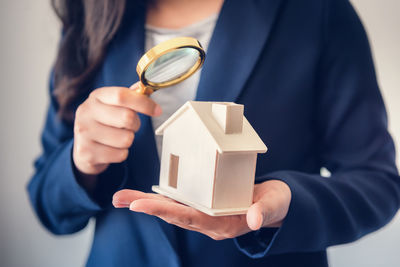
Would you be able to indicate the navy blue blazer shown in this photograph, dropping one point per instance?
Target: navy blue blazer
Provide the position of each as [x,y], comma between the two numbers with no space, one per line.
[303,70]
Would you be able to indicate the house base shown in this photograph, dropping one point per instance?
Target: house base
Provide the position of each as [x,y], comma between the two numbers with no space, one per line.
[211,212]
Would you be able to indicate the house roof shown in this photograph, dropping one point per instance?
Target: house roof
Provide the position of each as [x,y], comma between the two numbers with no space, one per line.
[246,141]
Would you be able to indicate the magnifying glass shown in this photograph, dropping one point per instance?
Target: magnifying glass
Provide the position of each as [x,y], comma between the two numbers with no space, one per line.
[169,63]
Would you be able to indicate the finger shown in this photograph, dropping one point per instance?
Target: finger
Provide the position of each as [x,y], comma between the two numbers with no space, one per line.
[273,198]
[210,234]
[168,211]
[185,215]
[191,228]
[125,97]
[110,136]
[135,86]
[157,205]
[261,190]
[123,198]
[265,208]
[218,228]
[94,153]
[255,216]
[119,117]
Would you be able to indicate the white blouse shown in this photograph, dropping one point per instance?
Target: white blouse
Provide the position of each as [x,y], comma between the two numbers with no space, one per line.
[172,98]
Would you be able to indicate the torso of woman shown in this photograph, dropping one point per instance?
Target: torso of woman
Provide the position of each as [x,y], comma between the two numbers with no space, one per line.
[304,72]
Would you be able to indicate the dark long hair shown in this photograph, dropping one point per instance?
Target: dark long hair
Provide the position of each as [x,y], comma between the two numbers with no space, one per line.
[88,28]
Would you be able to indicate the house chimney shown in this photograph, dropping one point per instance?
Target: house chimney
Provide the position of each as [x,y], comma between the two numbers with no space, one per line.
[229,116]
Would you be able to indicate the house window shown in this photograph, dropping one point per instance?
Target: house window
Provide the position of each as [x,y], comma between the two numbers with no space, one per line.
[173,170]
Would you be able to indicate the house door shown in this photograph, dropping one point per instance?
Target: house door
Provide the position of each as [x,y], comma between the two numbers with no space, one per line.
[173,170]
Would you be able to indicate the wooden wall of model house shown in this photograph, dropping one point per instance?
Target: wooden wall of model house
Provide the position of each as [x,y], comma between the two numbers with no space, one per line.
[189,139]
[234,180]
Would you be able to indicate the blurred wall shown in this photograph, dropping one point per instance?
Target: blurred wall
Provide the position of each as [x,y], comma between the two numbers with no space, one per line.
[29,35]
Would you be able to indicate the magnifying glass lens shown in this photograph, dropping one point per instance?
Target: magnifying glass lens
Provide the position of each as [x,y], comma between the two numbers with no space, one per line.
[172,65]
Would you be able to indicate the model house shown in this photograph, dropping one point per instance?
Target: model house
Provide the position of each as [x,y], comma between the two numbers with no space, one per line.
[209,155]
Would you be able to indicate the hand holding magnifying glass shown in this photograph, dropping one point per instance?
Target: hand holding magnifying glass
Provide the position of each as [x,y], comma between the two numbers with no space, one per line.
[169,63]
[106,122]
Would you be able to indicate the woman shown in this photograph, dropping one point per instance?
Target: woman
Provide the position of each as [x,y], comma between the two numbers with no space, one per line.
[304,72]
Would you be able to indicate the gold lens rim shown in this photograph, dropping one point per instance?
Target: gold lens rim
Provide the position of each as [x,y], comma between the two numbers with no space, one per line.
[165,47]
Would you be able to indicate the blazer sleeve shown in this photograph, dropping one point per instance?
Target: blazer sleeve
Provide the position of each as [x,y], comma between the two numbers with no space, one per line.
[61,204]
[363,192]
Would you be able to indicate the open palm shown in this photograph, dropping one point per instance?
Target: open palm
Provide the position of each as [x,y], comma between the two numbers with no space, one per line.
[270,205]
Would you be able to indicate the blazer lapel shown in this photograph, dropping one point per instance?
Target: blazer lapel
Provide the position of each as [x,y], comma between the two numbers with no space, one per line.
[120,70]
[239,36]
[125,50]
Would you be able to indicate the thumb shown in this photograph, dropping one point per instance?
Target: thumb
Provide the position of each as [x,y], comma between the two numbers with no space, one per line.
[139,88]
[255,216]
[272,201]
[135,86]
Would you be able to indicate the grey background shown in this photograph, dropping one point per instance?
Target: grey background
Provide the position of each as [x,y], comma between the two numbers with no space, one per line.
[29,34]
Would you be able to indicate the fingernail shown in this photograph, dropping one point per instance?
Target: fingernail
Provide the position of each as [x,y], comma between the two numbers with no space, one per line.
[119,204]
[132,206]
[134,86]
[157,110]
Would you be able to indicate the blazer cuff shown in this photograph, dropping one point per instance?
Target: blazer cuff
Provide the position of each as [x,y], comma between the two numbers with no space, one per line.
[265,241]
[256,244]
[108,182]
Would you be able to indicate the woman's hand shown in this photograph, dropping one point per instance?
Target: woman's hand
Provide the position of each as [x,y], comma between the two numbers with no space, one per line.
[105,126]
[271,204]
